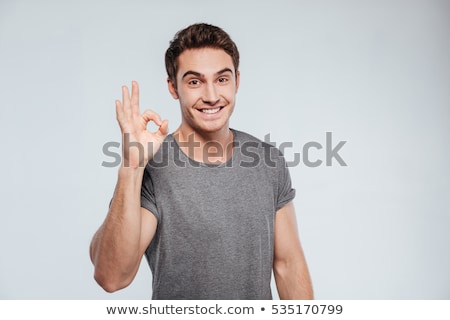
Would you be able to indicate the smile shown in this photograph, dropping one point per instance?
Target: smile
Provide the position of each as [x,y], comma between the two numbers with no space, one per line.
[211,111]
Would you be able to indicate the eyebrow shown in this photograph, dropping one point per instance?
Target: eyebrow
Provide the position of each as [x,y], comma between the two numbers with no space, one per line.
[198,74]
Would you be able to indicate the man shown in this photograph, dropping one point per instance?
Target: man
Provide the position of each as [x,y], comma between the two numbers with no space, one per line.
[209,206]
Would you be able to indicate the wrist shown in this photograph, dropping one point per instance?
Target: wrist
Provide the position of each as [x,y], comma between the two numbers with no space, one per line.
[133,173]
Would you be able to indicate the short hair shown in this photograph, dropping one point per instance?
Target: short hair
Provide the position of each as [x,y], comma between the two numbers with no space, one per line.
[196,36]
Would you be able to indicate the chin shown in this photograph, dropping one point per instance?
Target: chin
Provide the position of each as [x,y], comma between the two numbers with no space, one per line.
[214,127]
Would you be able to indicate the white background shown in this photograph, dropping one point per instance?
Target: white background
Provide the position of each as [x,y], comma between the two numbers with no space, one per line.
[375,73]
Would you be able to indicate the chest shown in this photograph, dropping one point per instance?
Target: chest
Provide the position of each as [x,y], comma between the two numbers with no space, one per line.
[214,201]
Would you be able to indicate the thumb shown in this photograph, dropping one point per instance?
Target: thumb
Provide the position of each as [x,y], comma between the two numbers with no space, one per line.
[163,129]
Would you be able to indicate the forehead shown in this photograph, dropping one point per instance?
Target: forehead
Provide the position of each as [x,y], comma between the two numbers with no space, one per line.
[204,60]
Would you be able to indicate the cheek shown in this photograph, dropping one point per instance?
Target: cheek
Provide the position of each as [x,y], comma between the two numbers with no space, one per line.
[230,94]
[188,98]
[188,106]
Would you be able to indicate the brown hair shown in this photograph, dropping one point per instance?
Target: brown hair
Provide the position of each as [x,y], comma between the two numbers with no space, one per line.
[199,35]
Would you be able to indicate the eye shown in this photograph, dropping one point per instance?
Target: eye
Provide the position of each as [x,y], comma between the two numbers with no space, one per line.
[223,79]
[194,82]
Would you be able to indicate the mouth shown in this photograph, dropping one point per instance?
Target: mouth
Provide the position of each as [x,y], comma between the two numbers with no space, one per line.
[210,110]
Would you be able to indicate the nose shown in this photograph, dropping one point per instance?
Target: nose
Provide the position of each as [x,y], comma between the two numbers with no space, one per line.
[210,95]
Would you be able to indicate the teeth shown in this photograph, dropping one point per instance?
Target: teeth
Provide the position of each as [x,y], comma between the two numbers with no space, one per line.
[210,110]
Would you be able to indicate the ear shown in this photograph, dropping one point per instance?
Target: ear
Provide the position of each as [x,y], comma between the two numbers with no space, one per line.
[238,80]
[172,89]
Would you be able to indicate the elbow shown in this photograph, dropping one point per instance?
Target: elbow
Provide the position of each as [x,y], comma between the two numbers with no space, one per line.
[106,284]
[293,280]
[109,284]
[281,269]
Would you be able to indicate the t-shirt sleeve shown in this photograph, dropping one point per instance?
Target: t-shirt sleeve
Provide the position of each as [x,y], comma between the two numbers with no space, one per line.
[148,195]
[285,191]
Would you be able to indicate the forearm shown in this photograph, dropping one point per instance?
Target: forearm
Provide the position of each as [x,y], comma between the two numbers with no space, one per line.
[293,280]
[115,247]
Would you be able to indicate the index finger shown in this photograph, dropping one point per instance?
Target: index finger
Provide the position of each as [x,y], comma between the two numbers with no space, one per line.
[125,97]
[135,96]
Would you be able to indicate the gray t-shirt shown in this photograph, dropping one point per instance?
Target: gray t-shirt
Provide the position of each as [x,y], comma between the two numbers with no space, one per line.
[215,231]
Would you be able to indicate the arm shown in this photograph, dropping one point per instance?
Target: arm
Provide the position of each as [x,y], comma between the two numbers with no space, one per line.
[290,269]
[118,246]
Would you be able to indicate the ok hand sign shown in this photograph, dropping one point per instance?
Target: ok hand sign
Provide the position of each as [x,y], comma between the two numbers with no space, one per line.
[133,125]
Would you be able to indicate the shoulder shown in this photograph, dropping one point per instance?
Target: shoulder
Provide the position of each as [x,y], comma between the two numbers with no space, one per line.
[241,136]
[243,140]
[255,153]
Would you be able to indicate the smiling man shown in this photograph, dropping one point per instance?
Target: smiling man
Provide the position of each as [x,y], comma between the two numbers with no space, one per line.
[212,224]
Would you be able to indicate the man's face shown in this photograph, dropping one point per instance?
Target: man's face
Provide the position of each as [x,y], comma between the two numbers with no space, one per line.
[206,86]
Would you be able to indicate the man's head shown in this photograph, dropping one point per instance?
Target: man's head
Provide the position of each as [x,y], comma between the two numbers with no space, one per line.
[199,36]
[202,64]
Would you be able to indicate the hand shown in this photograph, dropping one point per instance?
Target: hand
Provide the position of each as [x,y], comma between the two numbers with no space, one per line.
[138,144]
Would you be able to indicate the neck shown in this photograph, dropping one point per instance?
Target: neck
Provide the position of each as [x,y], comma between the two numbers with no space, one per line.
[207,147]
